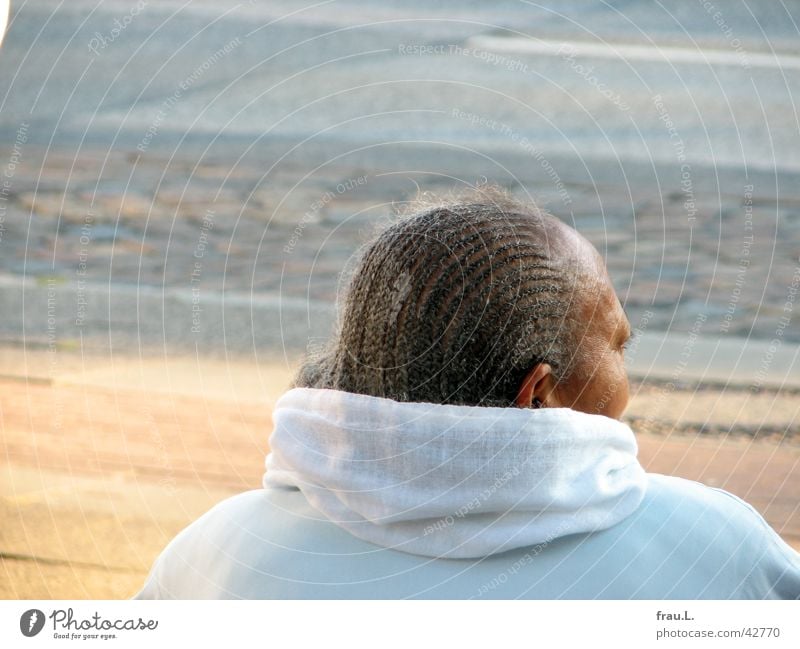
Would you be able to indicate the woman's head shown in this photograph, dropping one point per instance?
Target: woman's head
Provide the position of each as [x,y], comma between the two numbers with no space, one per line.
[483,301]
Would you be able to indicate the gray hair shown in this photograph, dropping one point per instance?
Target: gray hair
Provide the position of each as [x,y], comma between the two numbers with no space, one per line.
[456,303]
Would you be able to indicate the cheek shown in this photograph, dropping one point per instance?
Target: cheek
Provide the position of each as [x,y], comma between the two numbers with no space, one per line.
[610,390]
[621,392]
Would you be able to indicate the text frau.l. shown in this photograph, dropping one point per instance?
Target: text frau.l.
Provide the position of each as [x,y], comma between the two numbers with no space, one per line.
[65,619]
[674,615]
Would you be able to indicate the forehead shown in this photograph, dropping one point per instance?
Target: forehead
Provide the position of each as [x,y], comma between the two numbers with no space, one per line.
[594,298]
[606,314]
[598,304]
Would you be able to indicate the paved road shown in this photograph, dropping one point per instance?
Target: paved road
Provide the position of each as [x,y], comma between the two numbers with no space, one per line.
[356,75]
[669,136]
[216,256]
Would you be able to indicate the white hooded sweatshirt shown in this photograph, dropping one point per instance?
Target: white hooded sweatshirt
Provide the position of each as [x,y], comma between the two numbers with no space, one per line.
[371,498]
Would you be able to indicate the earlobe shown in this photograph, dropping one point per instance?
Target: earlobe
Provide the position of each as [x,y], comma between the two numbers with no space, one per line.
[535,387]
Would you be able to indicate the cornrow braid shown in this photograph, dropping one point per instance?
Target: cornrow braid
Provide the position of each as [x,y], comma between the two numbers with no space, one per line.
[454,304]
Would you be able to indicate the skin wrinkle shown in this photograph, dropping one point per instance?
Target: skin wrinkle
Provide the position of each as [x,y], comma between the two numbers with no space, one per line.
[456,302]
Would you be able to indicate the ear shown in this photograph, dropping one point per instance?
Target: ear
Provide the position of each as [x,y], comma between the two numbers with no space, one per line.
[537,385]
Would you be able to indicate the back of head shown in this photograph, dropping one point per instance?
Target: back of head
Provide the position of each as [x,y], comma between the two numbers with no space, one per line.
[454,304]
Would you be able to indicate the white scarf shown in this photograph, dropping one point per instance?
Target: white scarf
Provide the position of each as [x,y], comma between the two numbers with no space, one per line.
[453,481]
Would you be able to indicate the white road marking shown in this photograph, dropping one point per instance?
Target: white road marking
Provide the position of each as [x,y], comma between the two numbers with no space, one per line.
[739,58]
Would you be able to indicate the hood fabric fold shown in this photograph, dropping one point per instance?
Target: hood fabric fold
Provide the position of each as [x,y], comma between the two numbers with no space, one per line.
[453,481]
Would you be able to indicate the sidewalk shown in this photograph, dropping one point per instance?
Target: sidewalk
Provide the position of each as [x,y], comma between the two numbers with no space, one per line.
[105,462]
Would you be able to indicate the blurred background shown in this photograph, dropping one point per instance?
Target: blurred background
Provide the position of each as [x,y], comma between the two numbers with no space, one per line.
[185,187]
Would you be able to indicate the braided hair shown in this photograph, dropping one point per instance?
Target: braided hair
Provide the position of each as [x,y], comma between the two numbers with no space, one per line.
[455,304]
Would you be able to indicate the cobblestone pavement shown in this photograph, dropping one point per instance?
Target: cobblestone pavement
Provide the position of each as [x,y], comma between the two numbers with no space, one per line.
[220,228]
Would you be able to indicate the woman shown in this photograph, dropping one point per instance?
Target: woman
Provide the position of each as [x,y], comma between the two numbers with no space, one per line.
[460,438]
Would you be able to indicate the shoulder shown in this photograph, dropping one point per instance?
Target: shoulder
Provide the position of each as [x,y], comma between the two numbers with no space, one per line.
[718,537]
[689,498]
[257,544]
[709,509]
[183,569]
